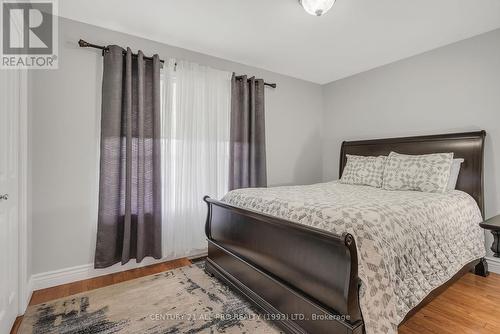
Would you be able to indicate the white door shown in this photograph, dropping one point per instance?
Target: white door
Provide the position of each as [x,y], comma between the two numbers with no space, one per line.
[9,238]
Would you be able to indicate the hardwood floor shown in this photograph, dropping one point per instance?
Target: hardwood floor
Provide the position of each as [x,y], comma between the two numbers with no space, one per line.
[15,326]
[41,296]
[469,306]
[44,295]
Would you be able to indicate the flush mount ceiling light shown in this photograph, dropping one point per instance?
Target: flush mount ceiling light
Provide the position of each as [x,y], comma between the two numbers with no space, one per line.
[317,7]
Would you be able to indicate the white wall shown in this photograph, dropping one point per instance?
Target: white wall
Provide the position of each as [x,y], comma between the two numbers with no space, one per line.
[451,89]
[64,118]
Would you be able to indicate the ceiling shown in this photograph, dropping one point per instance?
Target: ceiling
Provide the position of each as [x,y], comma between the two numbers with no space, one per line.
[279,36]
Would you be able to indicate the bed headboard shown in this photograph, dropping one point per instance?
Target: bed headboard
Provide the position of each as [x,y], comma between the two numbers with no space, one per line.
[469,146]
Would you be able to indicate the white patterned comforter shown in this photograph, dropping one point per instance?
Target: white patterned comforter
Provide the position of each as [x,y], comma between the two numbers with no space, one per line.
[408,242]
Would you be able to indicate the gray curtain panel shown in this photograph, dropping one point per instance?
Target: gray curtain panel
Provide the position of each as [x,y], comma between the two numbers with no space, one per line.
[129,218]
[247,151]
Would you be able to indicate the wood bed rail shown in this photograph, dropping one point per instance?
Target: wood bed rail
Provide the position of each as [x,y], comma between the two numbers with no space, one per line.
[306,275]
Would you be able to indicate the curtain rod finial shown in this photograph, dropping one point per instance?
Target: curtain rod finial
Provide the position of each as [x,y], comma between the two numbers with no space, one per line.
[82,43]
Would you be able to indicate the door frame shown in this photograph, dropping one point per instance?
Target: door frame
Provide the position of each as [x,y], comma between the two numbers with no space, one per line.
[24,285]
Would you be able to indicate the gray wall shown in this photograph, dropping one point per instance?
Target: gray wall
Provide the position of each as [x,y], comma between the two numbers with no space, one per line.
[64,118]
[454,88]
[450,89]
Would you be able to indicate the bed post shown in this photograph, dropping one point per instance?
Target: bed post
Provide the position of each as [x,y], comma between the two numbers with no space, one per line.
[481,269]
[353,307]
[209,217]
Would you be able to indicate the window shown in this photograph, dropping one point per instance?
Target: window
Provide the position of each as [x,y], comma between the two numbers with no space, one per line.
[195,151]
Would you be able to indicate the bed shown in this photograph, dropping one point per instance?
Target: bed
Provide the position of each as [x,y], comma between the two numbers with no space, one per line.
[336,258]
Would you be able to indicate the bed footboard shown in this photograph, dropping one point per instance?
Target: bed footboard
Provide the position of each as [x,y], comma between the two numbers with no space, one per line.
[303,278]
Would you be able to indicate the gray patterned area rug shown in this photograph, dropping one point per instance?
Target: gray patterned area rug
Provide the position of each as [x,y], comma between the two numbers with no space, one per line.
[183,300]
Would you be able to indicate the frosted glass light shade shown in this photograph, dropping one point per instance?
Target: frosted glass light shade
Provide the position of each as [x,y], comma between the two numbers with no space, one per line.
[317,7]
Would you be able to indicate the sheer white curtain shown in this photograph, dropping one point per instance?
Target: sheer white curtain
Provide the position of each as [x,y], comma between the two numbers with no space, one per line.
[196,104]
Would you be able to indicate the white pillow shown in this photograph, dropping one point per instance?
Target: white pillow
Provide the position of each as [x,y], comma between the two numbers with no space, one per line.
[428,172]
[454,171]
[363,170]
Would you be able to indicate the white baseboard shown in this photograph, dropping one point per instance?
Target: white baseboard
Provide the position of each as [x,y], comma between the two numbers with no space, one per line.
[86,271]
[25,296]
[197,256]
[493,264]
[29,293]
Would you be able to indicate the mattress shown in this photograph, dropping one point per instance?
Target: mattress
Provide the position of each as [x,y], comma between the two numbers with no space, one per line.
[408,242]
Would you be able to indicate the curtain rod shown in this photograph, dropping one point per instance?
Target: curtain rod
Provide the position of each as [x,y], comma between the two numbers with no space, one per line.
[272,85]
[84,44]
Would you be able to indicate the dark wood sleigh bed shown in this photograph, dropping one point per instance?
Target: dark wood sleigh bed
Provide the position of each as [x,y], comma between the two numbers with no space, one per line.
[305,279]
